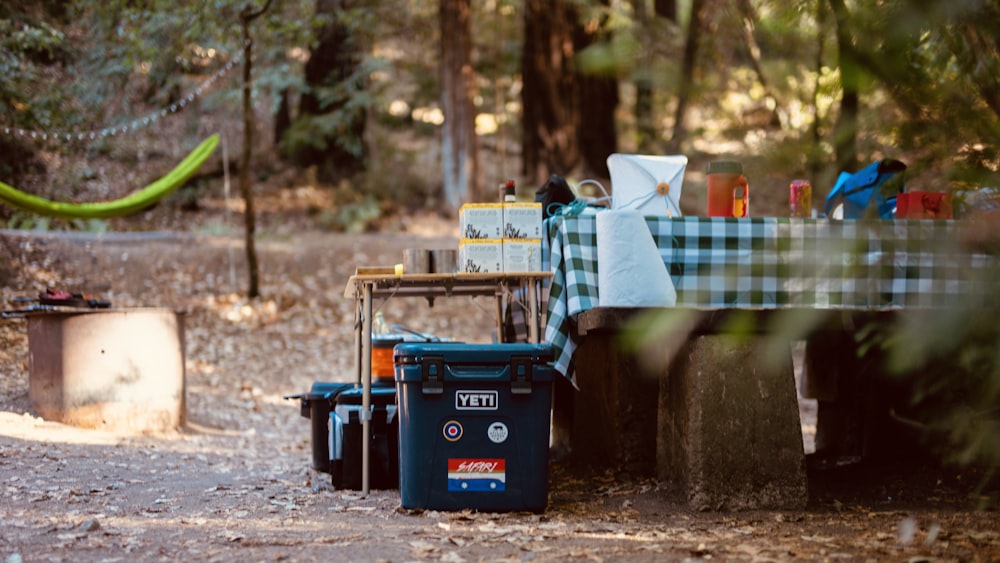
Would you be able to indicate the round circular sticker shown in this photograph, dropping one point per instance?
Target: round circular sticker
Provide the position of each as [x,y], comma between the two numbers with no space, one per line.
[452,431]
[497,432]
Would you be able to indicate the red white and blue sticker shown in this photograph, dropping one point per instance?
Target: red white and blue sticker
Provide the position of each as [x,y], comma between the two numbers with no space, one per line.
[452,431]
[477,475]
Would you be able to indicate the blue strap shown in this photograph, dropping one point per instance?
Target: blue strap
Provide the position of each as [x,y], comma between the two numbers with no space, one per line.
[570,209]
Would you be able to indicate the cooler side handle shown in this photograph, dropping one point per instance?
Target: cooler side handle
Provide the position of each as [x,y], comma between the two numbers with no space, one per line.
[432,374]
[335,437]
[520,374]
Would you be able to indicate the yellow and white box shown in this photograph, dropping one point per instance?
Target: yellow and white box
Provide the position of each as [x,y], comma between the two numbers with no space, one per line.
[522,255]
[522,220]
[480,256]
[481,221]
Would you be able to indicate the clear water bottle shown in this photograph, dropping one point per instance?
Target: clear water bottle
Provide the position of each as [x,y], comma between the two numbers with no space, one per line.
[379,325]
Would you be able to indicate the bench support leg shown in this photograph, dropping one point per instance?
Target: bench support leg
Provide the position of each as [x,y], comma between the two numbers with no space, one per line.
[729,434]
[614,420]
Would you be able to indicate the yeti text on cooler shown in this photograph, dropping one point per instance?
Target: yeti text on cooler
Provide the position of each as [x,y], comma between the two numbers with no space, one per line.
[476,400]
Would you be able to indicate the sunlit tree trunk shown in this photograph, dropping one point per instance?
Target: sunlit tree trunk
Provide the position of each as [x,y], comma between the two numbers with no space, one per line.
[460,147]
[815,159]
[750,17]
[247,16]
[644,116]
[846,130]
[688,64]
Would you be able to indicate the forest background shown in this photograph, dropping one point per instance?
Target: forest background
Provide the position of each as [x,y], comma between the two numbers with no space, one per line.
[369,110]
[455,96]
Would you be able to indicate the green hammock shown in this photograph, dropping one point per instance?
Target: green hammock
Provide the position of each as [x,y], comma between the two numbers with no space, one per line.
[127,205]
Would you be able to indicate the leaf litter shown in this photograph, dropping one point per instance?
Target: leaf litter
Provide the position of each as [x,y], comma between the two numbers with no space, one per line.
[238,482]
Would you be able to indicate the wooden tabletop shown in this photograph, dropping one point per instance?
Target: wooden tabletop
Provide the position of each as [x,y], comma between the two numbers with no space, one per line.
[434,285]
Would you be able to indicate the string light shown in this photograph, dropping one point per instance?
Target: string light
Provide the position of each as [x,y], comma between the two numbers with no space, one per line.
[136,123]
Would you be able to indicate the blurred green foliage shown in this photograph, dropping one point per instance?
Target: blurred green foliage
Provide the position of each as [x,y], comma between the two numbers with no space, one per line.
[350,97]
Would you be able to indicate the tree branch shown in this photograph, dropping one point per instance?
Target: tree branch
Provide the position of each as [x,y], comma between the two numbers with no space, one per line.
[248,16]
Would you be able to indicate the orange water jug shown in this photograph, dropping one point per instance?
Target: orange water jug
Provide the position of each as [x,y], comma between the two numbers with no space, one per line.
[728,190]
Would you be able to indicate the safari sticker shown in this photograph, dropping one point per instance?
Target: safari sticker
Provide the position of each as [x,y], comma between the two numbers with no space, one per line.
[477,475]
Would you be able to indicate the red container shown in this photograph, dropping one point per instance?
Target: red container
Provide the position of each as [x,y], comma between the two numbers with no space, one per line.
[728,190]
[924,205]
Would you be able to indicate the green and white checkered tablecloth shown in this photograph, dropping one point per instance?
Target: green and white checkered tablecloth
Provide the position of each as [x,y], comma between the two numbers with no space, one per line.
[769,262]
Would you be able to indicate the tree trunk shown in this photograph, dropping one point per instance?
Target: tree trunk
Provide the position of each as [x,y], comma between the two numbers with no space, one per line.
[644,120]
[568,117]
[688,63]
[282,119]
[597,136]
[666,9]
[750,17]
[247,16]
[460,146]
[549,96]
[331,64]
[846,131]
[645,117]
[814,159]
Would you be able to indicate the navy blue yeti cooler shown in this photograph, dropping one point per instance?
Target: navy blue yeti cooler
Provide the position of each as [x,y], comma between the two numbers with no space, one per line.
[346,438]
[316,406]
[474,425]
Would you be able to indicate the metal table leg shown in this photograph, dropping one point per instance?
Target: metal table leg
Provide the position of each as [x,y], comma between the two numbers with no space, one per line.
[357,338]
[533,320]
[498,303]
[366,385]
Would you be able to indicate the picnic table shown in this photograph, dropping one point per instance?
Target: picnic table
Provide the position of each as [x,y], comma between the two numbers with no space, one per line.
[762,267]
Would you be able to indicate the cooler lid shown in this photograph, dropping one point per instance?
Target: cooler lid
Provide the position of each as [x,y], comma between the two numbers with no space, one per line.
[380,396]
[466,353]
[320,391]
[326,390]
[465,361]
[386,340]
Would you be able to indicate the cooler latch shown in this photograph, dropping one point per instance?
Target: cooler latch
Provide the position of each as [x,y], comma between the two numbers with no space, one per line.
[520,375]
[432,373]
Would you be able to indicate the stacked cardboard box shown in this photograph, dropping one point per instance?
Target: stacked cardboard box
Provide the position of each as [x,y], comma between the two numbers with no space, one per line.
[500,237]
[481,249]
[522,237]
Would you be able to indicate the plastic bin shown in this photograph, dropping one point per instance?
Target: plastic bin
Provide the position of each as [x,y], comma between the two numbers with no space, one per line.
[316,406]
[474,425]
[346,438]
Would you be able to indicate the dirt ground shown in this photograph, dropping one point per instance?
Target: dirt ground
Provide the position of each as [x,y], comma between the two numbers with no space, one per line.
[237,483]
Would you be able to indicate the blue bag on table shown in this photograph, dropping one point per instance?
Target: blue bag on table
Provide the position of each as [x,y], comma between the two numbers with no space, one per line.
[875,185]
